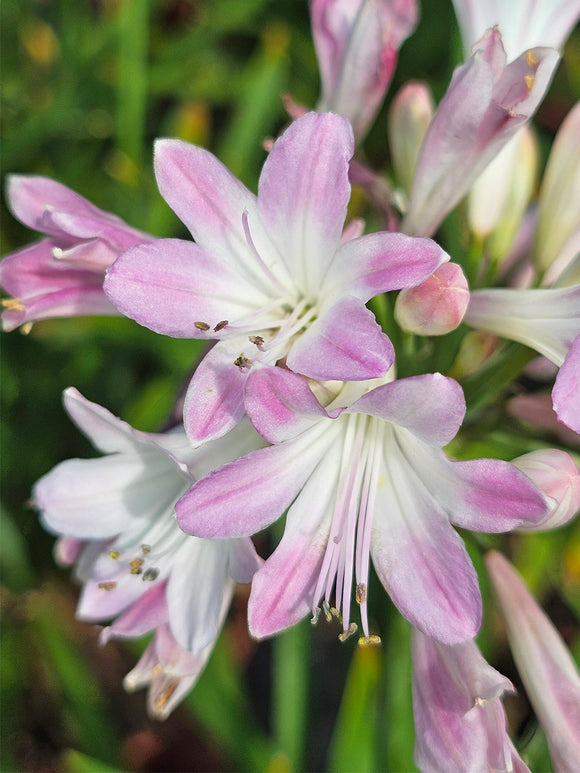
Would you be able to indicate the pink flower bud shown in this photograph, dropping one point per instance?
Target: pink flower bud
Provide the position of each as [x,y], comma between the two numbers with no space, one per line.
[556,475]
[409,118]
[436,306]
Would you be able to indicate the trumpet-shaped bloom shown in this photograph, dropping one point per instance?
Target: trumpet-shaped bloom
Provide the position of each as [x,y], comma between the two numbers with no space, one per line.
[368,479]
[460,722]
[547,670]
[357,43]
[547,320]
[487,101]
[268,276]
[61,276]
[523,23]
[135,564]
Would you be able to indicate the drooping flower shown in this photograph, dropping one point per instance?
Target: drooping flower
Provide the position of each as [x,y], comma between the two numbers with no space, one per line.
[460,722]
[269,277]
[547,320]
[357,42]
[61,276]
[487,101]
[364,477]
[547,670]
[135,564]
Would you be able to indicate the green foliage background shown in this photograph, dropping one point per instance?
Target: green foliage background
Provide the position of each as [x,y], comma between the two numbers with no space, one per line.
[87,86]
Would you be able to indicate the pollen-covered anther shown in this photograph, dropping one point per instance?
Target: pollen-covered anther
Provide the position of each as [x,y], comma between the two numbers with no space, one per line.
[13,304]
[531,58]
[107,585]
[220,325]
[242,361]
[26,328]
[361,593]
[315,616]
[136,566]
[202,326]
[150,574]
[529,79]
[114,554]
[352,629]
[145,549]
[326,610]
[163,698]
[369,641]
[258,340]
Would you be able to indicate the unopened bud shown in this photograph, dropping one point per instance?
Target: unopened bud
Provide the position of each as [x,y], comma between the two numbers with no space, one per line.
[409,117]
[556,475]
[436,306]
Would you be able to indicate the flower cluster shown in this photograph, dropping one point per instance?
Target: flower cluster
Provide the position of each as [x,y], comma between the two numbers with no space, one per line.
[307,403]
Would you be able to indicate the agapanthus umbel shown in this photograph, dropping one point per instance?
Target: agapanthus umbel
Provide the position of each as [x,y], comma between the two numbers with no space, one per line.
[270,277]
[61,276]
[365,476]
[135,564]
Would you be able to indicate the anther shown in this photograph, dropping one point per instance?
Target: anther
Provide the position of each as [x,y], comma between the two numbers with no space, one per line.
[531,58]
[146,549]
[201,326]
[26,328]
[242,361]
[220,326]
[107,585]
[361,593]
[151,574]
[315,616]
[369,641]
[164,697]
[529,79]
[258,340]
[114,554]
[326,610]
[352,629]
[136,565]
[13,304]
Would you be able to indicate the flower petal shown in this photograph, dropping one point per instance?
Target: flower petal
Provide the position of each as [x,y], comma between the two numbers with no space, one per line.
[566,392]
[176,288]
[146,614]
[303,194]
[380,262]
[345,343]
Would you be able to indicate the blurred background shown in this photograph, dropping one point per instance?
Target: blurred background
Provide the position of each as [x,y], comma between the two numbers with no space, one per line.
[86,87]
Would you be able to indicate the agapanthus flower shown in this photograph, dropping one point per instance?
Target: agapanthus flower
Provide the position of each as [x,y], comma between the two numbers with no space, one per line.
[269,277]
[135,564]
[487,101]
[460,722]
[545,665]
[61,276]
[547,320]
[363,477]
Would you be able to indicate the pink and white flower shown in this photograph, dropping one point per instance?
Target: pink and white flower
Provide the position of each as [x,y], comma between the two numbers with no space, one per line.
[357,42]
[61,276]
[135,564]
[546,667]
[269,277]
[364,477]
[460,722]
[487,101]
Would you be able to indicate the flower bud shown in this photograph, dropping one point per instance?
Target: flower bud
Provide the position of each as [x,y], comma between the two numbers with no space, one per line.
[436,306]
[409,117]
[556,475]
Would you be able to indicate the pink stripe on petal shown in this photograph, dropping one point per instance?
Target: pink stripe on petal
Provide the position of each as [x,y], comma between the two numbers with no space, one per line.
[345,343]
[303,194]
[146,614]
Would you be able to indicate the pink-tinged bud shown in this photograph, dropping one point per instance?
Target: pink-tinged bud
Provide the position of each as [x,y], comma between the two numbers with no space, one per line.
[558,234]
[357,42]
[544,664]
[436,306]
[557,476]
[409,117]
[500,195]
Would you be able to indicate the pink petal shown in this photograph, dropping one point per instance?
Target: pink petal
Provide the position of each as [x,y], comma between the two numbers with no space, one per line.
[380,262]
[303,194]
[244,562]
[176,288]
[432,406]
[420,559]
[345,343]
[566,392]
[248,494]
[280,404]
[282,591]
[146,614]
